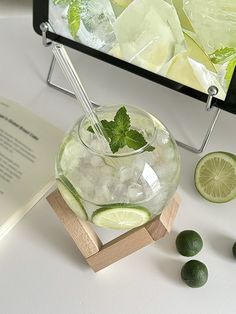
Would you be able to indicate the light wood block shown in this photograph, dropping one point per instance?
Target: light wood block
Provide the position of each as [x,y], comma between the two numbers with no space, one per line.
[99,256]
[80,231]
[120,247]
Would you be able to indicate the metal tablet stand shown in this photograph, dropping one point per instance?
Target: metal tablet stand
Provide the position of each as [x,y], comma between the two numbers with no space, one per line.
[212,91]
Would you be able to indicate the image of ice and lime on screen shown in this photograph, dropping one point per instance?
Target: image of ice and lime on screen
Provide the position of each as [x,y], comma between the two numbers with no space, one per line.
[191,42]
[129,184]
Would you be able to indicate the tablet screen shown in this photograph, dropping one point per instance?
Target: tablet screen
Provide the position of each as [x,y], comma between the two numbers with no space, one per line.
[192,42]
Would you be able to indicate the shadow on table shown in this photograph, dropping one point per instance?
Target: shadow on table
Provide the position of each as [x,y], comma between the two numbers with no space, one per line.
[189,162]
[171,269]
[221,244]
[166,258]
[166,245]
[17,3]
[51,235]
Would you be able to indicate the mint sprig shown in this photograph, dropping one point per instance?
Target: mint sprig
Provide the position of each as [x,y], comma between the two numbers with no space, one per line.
[222,55]
[121,134]
[73,17]
[230,71]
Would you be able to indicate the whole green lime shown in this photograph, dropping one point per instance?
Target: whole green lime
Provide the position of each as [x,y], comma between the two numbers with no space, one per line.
[234,249]
[189,243]
[194,273]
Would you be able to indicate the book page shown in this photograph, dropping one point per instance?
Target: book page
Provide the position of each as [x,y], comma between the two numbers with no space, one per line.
[28,148]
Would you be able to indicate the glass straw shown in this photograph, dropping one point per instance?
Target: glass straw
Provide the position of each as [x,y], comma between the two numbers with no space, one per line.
[80,93]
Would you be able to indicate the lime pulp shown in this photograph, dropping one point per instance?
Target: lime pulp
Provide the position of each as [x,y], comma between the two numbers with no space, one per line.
[121,216]
[71,197]
[215,177]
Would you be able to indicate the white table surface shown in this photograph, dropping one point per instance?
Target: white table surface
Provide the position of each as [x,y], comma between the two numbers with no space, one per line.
[41,270]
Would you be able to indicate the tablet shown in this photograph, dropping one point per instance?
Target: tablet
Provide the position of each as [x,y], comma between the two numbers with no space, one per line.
[186,45]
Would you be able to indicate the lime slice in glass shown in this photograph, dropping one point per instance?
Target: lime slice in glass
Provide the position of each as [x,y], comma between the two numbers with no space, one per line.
[122,3]
[71,197]
[182,16]
[191,73]
[213,22]
[73,17]
[121,216]
[196,53]
[215,177]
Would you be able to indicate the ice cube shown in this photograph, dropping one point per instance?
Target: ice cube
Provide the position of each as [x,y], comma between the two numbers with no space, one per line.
[169,153]
[96,161]
[119,193]
[96,28]
[69,162]
[163,137]
[167,171]
[107,171]
[149,33]
[150,157]
[138,166]
[156,204]
[135,192]
[126,174]
[86,187]
[102,194]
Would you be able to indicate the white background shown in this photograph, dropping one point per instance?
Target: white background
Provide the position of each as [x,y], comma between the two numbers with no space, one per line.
[41,270]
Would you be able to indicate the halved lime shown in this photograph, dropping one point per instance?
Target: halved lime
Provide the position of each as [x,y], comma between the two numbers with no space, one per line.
[121,216]
[71,197]
[215,177]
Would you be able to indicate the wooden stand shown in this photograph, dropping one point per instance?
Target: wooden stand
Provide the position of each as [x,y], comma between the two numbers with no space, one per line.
[99,256]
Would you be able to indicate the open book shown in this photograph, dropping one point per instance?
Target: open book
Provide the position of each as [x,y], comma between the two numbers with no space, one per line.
[28,147]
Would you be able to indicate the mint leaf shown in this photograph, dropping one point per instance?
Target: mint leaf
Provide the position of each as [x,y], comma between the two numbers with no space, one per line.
[150,149]
[122,119]
[90,129]
[117,137]
[108,127]
[230,71]
[136,140]
[222,55]
[73,17]
[61,2]
[116,143]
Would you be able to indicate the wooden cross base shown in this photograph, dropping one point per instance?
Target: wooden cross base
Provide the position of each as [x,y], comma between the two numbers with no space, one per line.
[99,255]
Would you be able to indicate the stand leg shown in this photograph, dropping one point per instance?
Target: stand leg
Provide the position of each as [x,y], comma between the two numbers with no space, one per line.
[56,86]
[207,136]
[80,231]
[99,256]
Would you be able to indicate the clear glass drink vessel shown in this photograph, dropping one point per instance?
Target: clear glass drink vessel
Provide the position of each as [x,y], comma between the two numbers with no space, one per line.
[121,190]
